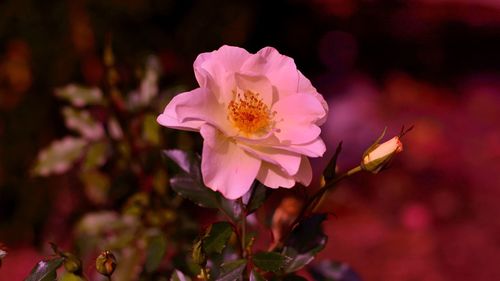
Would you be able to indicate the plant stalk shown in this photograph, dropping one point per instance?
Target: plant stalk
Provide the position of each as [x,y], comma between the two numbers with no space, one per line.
[314,202]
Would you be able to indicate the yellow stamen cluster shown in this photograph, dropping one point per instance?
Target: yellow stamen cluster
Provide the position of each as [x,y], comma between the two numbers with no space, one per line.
[249,113]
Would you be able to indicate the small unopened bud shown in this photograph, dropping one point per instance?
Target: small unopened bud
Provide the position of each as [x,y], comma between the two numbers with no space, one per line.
[106,263]
[72,263]
[378,156]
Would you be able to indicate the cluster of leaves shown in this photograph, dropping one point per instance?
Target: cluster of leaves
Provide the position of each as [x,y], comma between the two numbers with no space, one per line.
[224,251]
[117,147]
[114,147]
[46,270]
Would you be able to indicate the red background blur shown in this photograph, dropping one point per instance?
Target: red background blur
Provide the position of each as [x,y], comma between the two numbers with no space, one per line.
[434,64]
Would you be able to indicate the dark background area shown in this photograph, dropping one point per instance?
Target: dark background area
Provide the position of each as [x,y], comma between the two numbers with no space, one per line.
[434,64]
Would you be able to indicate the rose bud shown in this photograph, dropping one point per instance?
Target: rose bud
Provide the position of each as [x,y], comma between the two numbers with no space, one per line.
[72,263]
[378,156]
[106,263]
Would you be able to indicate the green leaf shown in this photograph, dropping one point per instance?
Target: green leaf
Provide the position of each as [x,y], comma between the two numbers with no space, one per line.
[217,237]
[308,234]
[182,158]
[259,195]
[151,129]
[189,183]
[114,129]
[155,252]
[82,122]
[306,240]
[96,155]
[45,270]
[198,254]
[148,88]
[299,260]
[80,96]
[96,185]
[179,276]
[328,270]
[232,271]
[191,189]
[60,156]
[270,261]
[255,276]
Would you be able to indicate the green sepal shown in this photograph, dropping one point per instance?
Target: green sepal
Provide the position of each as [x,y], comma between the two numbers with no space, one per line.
[330,171]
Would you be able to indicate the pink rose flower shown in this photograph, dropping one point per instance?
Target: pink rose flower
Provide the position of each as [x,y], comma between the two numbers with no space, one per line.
[259,118]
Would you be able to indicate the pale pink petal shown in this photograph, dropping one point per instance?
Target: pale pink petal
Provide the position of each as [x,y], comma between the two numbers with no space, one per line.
[256,84]
[226,167]
[305,87]
[215,70]
[169,117]
[288,161]
[283,75]
[296,118]
[272,176]
[315,148]
[201,105]
[279,69]
[322,120]
[231,161]
[266,140]
[228,57]
[304,175]
[296,133]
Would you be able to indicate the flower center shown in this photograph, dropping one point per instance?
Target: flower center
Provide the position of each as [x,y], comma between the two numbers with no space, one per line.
[249,113]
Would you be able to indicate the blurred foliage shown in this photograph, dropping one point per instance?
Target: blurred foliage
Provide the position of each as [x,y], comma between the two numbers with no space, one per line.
[388,61]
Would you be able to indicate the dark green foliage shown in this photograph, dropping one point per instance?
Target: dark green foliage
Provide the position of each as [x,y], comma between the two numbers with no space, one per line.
[270,261]
[306,240]
[232,271]
[45,270]
[155,252]
[216,238]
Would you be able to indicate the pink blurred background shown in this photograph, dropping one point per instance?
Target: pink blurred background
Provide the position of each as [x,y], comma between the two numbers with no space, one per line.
[434,64]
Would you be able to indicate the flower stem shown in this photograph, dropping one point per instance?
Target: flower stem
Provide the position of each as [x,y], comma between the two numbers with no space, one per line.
[243,228]
[318,198]
[314,202]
